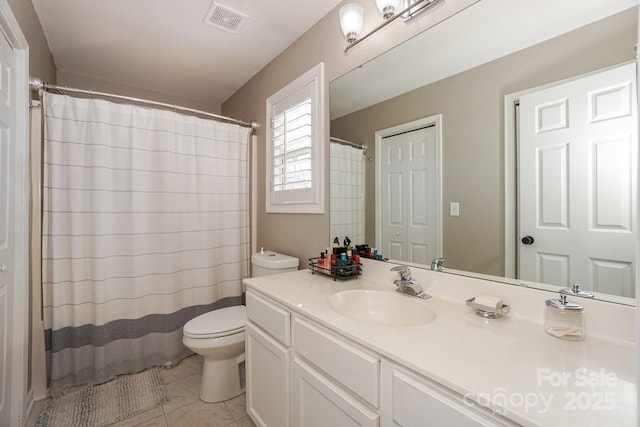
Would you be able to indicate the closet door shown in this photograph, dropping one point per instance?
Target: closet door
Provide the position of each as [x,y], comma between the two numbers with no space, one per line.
[409,191]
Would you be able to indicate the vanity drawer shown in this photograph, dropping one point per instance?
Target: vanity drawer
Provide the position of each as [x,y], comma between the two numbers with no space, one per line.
[271,318]
[413,397]
[354,368]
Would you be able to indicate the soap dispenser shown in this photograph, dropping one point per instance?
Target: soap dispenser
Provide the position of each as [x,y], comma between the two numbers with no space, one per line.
[564,319]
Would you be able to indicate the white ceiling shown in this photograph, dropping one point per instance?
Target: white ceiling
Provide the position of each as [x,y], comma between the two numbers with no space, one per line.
[165,45]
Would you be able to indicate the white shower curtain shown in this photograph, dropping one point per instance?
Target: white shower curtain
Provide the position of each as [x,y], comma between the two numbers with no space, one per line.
[347,193]
[145,226]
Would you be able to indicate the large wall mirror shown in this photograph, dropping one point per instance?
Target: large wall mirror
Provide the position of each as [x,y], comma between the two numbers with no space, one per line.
[462,98]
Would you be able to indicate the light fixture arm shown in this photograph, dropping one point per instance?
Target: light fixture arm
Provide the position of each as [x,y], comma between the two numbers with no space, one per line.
[413,9]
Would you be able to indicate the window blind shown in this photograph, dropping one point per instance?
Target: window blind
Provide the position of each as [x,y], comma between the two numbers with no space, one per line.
[292,147]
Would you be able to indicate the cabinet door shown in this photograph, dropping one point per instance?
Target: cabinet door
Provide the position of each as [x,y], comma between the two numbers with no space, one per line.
[319,402]
[355,368]
[267,368]
[416,403]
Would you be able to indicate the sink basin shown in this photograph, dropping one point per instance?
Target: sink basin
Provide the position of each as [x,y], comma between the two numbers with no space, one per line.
[384,308]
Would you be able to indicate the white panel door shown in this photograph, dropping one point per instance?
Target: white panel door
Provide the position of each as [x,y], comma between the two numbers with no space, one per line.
[409,189]
[7,206]
[577,176]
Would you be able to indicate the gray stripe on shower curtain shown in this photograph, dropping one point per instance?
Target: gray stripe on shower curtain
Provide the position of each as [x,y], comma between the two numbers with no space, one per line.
[145,226]
[121,329]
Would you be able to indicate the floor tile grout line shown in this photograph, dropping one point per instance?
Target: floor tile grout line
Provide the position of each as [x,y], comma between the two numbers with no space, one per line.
[164,414]
[230,411]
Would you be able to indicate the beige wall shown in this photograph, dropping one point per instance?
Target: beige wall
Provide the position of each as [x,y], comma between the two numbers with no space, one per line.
[303,235]
[41,63]
[42,66]
[89,83]
[471,104]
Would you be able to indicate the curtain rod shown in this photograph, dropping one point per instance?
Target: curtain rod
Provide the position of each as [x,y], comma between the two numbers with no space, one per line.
[39,84]
[345,142]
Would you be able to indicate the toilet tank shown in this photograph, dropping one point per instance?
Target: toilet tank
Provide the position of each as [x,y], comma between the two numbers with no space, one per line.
[269,262]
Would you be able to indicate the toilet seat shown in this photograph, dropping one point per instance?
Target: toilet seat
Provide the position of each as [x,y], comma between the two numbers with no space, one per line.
[217,323]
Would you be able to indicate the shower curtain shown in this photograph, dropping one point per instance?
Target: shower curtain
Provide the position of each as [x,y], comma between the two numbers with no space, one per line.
[347,193]
[145,226]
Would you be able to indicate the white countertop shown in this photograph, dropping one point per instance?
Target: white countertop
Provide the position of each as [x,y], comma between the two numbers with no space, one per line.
[509,364]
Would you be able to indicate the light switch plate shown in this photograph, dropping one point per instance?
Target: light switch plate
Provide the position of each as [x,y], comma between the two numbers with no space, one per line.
[454,209]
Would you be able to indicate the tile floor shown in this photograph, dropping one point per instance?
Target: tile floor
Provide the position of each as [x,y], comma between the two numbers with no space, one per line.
[184,408]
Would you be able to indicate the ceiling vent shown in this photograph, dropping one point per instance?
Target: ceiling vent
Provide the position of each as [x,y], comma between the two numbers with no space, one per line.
[225,18]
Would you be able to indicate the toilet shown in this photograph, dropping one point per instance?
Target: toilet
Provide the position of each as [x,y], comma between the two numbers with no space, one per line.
[218,336]
[269,262]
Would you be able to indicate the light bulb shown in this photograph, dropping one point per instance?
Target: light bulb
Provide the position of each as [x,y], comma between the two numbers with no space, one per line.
[351,21]
[387,7]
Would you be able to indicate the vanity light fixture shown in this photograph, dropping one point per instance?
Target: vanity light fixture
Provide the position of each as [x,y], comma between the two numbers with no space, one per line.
[351,21]
[387,7]
[351,16]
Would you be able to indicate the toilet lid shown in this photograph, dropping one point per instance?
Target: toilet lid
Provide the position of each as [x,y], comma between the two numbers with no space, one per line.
[221,322]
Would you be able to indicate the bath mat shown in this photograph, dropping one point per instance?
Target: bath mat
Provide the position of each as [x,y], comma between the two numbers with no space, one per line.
[108,403]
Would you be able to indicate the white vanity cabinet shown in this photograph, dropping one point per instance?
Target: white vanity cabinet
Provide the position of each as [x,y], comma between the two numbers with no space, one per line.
[302,374]
[335,383]
[308,377]
[320,402]
[414,401]
[268,362]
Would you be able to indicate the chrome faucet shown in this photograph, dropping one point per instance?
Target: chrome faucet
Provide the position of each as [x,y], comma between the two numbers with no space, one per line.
[406,285]
[437,263]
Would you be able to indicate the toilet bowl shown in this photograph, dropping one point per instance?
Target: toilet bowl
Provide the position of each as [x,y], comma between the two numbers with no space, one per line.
[218,336]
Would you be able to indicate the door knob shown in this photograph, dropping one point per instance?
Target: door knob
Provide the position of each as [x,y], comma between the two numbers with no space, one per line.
[3,268]
[527,240]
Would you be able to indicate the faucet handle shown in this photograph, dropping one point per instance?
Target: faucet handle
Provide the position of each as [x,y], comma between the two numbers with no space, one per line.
[405,272]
